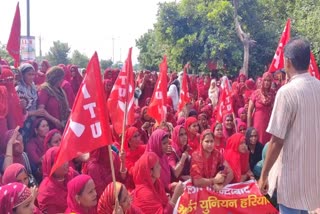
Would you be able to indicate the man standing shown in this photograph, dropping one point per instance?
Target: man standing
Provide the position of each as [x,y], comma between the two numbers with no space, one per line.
[295,129]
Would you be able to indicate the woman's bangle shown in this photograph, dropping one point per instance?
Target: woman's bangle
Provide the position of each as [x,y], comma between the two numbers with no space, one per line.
[8,156]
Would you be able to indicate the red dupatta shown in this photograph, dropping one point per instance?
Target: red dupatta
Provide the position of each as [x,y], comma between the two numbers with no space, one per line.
[193,140]
[75,186]
[14,114]
[149,196]
[202,167]
[53,193]
[11,173]
[176,141]
[76,80]
[238,162]
[132,155]
[155,145]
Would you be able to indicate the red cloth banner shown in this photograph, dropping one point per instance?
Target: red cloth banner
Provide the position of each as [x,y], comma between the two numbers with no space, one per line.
[313,67]
[184,92]
[88,125]
[225,101]
[278,60]
[240,198]
[13,45]
[158,107]
[122,94]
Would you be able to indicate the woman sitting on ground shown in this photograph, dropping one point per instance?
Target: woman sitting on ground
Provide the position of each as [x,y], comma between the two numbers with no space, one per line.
[149,194]
[237,155]
[208,167]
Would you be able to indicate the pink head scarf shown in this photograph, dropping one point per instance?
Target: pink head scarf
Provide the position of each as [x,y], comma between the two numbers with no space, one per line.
[238,162]
[75,186]
[11,173]
[14,114]
[48,138]
[13,195]
[176,140]
[155,145]
[144,185]
[48,160]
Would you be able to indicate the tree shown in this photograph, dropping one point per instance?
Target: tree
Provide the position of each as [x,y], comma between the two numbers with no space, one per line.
[117,65]
[4,54]
[58,53]
[244,38]
[202,31]
[151,51]
[79,59]
[104,64]
[304,15]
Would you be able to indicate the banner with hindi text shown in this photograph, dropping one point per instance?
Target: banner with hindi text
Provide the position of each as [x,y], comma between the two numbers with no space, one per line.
[232,199]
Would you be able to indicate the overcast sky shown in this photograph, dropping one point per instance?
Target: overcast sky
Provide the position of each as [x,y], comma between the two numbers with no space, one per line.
[87,26]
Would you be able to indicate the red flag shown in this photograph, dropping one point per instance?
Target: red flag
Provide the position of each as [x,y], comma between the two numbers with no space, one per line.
[225,101]
[158,107]
[88,125]
[122,96]
[313,67]
[184,92]
[278,60]
[13,45]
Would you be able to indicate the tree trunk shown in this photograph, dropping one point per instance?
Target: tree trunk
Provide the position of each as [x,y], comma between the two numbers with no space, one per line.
[245,39]
[246,54]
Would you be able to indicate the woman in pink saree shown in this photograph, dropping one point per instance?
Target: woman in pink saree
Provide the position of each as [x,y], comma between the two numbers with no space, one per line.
[260,108]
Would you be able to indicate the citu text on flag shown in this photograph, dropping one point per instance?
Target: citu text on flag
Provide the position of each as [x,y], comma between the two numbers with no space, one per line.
[121,99]
[88,125]
[157,107]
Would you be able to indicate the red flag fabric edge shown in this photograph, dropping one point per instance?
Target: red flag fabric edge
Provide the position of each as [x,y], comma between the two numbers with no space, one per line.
[313,67]
[278,61]
[122,92]
[71,146]
[13,45]
[157,106]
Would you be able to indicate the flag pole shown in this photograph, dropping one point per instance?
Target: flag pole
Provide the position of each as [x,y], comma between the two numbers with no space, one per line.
[124,122]
[234,121]
[113,178]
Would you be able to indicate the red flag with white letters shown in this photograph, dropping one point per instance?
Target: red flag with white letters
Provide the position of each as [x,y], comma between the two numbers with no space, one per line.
[225,101]
[278,60]
[122,96]
[158,107]
[13,45]
[88,125]
[184,92]
[313,67]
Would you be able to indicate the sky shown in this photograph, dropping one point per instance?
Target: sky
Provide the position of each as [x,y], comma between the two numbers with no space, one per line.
[86,26]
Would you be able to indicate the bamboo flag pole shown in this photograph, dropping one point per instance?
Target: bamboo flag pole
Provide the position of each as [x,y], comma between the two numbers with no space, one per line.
[124,124]
[234,121]
[113,178]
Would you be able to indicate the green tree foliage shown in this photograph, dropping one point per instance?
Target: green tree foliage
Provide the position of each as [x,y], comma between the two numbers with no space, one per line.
[104,64]
[151,51]
[5,55]
[58,53]
[79,59]
[198,31]
[304,16]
